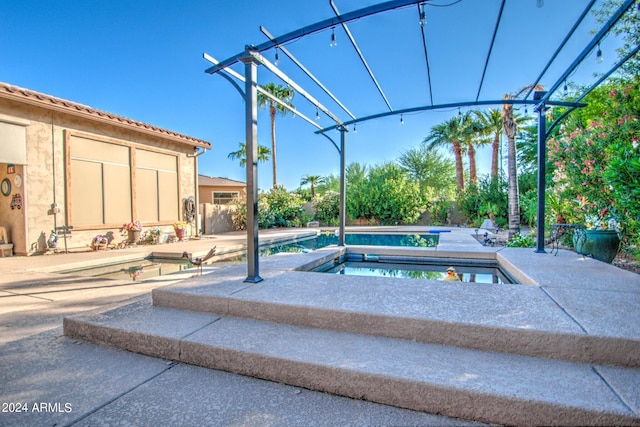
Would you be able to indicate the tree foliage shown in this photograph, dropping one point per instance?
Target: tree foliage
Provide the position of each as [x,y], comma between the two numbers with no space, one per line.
[451,132]
[285,94]
[327,208]
[434,173]
[241,154]
[485,199]
[277,208]
[596,157]
[384,193]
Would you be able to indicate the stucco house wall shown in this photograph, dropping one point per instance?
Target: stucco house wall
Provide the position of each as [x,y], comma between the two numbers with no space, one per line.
[49,125]
[208,185]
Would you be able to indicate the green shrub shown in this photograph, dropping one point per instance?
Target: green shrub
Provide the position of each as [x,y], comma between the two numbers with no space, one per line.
[520,241]
[327,208]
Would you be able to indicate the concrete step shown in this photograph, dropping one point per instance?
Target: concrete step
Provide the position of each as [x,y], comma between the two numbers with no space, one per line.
[515,319]
[458,382]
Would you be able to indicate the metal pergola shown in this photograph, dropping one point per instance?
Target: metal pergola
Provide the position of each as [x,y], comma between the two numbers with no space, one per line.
[252,58]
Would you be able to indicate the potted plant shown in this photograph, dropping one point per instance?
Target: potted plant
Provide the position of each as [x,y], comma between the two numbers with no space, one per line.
[600,237]
[179,227]
[99,243]
[133,230]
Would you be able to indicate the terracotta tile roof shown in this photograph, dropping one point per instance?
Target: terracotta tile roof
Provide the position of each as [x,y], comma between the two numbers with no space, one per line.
[210,180]
[47,101]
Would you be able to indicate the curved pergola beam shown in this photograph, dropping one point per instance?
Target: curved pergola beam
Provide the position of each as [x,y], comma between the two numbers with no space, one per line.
[592,87]
[360,55]
[452,105]
[560,47]
[314,28]
[493,39]
[587,50]
[308,73]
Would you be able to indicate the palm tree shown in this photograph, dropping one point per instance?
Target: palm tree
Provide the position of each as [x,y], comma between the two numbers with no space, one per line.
[241,153]
[286,95]
[491,122]
[450,132]
[474,135]
[313,180]
[510,128]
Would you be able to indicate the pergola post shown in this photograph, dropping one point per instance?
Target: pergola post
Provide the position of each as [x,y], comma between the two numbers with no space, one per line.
[542,161]
[343,185]
[251,117]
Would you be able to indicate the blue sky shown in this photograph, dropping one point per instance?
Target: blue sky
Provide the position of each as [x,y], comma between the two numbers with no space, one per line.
[143,60]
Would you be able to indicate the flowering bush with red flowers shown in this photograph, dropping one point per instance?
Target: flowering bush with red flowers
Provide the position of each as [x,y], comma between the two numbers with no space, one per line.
[596,160]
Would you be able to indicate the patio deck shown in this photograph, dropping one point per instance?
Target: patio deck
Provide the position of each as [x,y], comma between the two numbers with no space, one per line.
[550,353]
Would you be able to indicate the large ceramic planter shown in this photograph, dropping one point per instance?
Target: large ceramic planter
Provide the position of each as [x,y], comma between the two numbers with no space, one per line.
[579,238]
[133,236]
[602,245]
[179,233]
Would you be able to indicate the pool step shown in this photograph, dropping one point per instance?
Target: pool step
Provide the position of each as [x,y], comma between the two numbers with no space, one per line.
[458,382]
[513,319]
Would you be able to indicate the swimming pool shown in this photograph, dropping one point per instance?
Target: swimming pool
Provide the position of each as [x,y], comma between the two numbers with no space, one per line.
[152,267]
[431,268]
[324,239]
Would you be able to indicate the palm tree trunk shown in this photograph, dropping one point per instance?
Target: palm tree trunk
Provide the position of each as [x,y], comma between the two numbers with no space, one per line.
[272,113]
[494,157]
[514,204]
[473,175]
[509,126]
[457,152]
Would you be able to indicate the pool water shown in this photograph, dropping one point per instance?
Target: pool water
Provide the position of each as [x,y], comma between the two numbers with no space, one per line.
[473,273]
[133,270]
[152,267]
[328,239]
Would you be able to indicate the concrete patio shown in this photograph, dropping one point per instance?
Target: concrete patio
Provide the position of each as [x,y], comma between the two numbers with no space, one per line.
[563,349]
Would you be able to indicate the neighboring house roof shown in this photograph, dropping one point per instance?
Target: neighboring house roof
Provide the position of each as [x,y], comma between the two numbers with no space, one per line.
[219,182]
[8,91]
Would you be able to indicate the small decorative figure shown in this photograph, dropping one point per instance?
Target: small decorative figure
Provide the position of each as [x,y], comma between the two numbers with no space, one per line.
[198,262]
[451,275]
[52,243]
[135,272]
[491,241]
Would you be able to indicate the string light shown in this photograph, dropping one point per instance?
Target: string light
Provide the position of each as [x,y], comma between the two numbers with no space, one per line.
[333,43]
[565,88]
[277,61]
[459,112]
[317,114]
[401,119]
[355,130]
[599,57]
[423,15]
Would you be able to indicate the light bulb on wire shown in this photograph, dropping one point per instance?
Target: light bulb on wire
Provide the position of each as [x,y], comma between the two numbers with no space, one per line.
[277,61]
[423,16]
[333,43]
[317,114]
[355,130]
[599,57]
[401,120]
